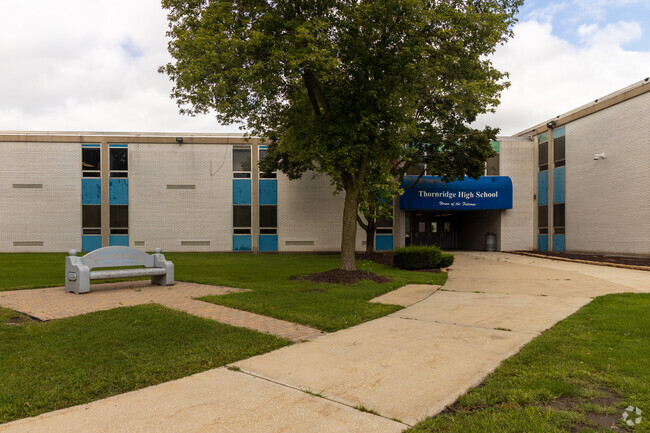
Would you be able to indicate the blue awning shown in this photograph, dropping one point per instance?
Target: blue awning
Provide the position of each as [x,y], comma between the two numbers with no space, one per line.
[431,193]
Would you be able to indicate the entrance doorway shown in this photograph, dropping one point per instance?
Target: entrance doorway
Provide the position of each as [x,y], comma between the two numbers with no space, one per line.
[433,229]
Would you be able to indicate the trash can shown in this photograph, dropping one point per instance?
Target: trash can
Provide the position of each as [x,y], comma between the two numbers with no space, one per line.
[490,242]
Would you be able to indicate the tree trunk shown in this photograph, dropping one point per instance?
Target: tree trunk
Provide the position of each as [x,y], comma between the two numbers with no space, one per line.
[349,235]
[370,238]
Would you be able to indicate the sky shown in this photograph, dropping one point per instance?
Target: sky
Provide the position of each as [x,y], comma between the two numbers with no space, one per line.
[91,65]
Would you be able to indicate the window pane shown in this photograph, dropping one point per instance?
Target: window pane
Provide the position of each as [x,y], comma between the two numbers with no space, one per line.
[91,215]
[558,215]
[119,216]
[119,158]
[241,216]
[558,149]
[90,159]
[543,155]
[415,170]
[385,222]
[241,160]
[262,154]
[542,216]
[268,216]
[119,174]
[493,166]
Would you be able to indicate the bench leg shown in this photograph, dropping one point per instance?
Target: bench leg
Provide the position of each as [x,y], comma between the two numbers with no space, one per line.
[77,276]
[168,278]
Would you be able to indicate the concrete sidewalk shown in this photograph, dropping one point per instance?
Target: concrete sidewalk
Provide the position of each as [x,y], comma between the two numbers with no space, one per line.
[55,303]
[405,366]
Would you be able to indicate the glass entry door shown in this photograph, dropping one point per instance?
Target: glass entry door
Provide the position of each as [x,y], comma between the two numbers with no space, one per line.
[432,229]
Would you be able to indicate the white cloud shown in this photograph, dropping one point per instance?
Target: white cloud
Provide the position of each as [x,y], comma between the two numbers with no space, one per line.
[551,76]
[88,65]
[92,65]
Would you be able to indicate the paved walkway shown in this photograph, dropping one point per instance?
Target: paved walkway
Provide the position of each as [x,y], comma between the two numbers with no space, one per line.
[405,366]
[55,303]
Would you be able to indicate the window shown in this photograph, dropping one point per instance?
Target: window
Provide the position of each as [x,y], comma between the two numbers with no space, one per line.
[542,219]
[492,166]
[119,219]
[262,154]
[90,161]
[415,170]
[558,219]
[119,162]
[559,151]
[241,219]
[385,226]
[91,219]
[241,162]
[268,220]
[543,153]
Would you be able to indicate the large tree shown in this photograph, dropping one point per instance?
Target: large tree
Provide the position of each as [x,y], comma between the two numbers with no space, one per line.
[339,86]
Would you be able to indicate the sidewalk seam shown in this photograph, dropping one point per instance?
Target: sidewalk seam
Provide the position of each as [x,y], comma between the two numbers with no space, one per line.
[324,397]
[463,325]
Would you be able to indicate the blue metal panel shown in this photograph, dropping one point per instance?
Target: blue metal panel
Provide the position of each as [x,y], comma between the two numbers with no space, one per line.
[558,243]
[542,188]
[241,191]
[242,243]
[119,145]
[90,243]
[558,184]
[118,240]
[542,242]
[118,191]
[90,145]
[269,191]
[559,132]
[268,242]
[91,191]
[431,193]
[383,242]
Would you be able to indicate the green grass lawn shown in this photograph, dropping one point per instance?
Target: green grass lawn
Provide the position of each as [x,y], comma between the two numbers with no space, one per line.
[577,377]
[31,270]
[51,365]
[328,307]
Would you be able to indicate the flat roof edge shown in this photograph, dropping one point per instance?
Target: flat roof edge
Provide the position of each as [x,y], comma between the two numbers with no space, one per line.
[125,137]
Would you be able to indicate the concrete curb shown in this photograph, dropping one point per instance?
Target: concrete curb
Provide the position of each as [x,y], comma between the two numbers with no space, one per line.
[586,262]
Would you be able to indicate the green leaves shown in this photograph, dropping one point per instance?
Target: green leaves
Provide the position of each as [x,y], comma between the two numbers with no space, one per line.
[340,86]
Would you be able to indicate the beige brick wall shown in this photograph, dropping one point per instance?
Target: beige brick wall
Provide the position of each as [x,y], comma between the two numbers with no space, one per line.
[308,212]
[51,214]
[164,217]
[607,205]
[517,160]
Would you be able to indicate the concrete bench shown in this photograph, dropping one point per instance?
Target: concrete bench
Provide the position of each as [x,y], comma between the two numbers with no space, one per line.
[78,271]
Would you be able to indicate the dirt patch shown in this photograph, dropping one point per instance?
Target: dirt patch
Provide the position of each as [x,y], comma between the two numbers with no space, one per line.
[15,319]
[337,276]
[617,260]
[385,258]
[601,410]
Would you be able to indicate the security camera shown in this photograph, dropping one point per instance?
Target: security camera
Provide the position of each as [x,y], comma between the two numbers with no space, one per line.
[599,156]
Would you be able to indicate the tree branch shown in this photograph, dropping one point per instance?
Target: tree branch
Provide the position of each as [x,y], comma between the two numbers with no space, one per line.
[315,94]
[361,223]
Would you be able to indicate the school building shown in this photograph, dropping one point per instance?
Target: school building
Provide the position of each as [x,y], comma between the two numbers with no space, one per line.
[578,182]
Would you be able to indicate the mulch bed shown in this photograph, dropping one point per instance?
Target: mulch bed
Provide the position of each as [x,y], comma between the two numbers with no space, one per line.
[632,261]
[337,276]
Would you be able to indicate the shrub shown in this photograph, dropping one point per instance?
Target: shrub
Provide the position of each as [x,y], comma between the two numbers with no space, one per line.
[446,260]
[421,257]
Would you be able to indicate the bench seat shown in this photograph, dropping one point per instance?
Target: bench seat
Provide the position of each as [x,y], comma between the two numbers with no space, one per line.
[126,273]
